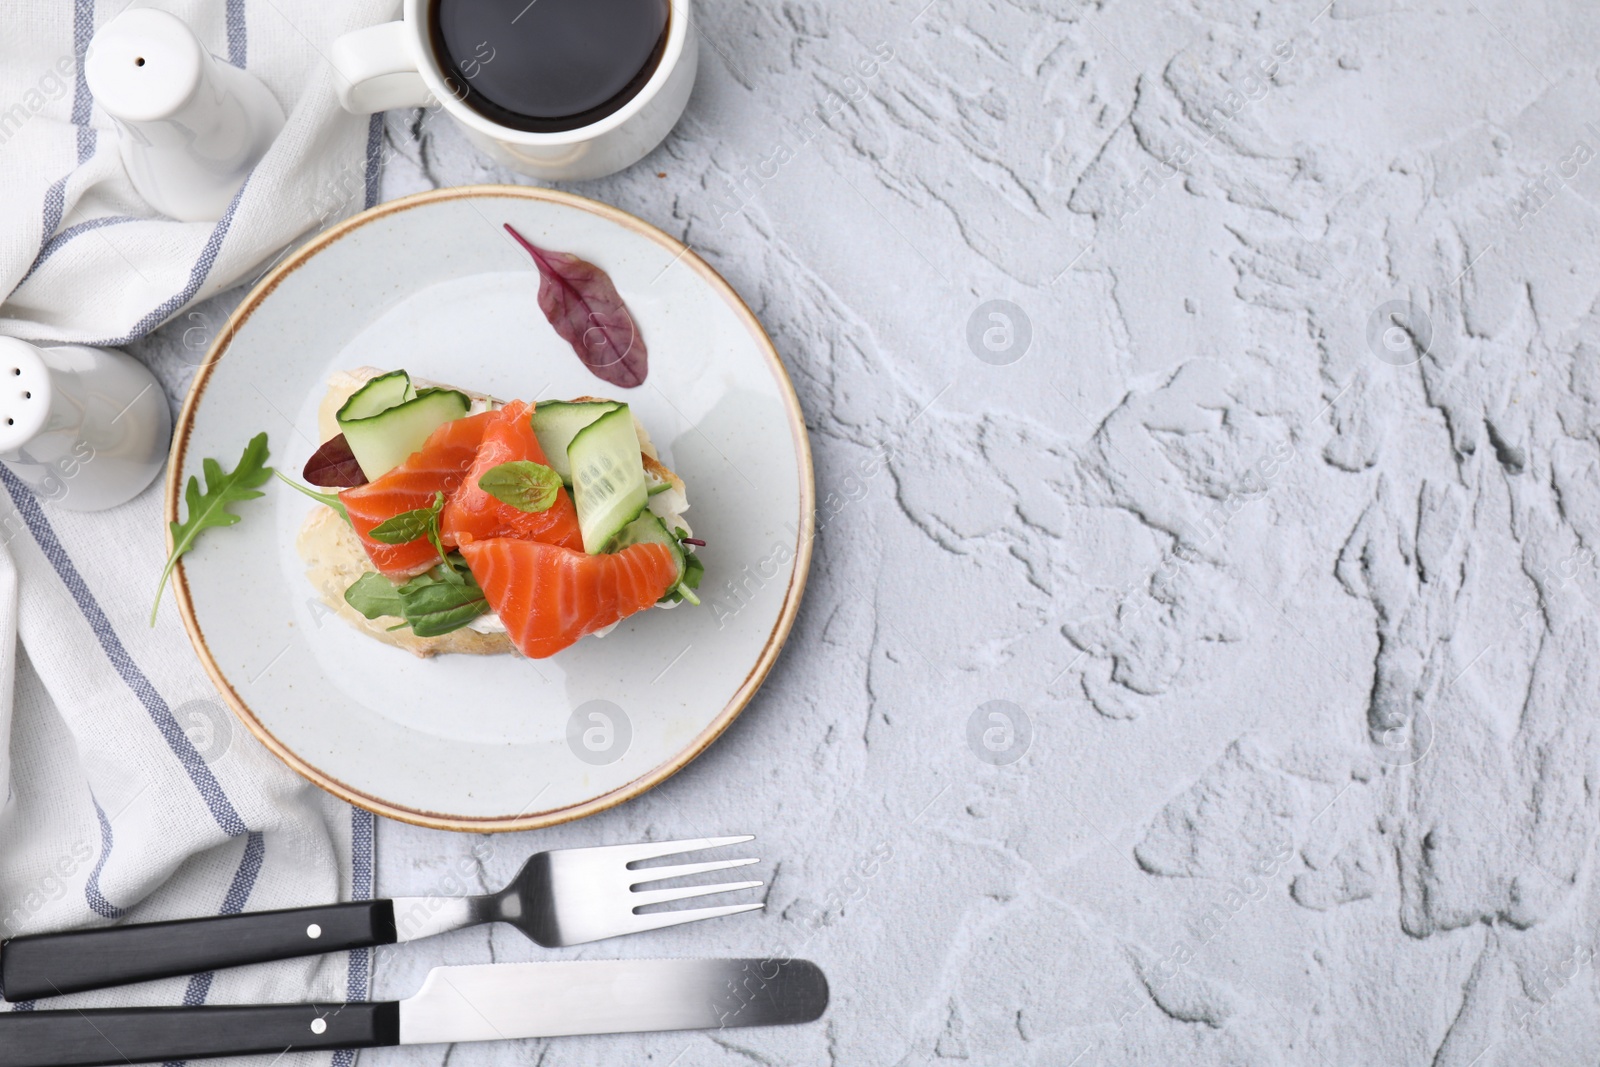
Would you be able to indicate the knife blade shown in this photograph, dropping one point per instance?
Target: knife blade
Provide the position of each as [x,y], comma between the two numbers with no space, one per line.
[489,1002]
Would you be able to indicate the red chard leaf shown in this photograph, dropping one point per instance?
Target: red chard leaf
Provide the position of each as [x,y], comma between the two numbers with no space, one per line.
[334,465]
[583,305]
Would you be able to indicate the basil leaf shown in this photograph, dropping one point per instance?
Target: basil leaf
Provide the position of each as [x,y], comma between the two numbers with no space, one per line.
[435,602]
[375,596]
[435,605]
[409,526]
[522,483]
[438,623]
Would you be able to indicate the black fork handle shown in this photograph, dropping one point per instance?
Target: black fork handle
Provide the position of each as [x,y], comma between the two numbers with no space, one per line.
[47,965]
[156,1035]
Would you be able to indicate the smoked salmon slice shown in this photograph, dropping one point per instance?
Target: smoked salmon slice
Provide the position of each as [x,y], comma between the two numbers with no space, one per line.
[473,515]
[440,465]
[549,596]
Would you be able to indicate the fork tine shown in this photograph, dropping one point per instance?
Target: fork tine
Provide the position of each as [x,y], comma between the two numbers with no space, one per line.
[650,850]
[684,870]
[660,920]
[643,897]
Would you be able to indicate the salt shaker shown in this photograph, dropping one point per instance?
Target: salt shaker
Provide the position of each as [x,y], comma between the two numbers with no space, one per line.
[85,428]
[191,126]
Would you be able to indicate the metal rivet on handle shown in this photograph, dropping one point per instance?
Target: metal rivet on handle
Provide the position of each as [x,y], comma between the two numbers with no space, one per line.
[313,931]
[319,1026]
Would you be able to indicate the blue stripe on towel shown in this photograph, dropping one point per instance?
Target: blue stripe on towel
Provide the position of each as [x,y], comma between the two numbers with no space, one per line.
[55,202]
[236,32]
[55,198]
[197,278]
[54,244]
[363,886]
[236,35]
[82,99]
[91,891]
[205,782]
[244,880]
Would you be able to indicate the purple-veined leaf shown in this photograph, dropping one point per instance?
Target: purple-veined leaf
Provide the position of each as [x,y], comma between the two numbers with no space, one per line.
[334,465]
[583,305]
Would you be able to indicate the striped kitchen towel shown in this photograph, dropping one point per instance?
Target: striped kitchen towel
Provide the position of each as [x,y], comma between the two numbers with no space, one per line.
[129,791]
[82,257]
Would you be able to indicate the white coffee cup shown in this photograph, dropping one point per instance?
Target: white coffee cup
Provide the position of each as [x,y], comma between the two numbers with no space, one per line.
[392,65]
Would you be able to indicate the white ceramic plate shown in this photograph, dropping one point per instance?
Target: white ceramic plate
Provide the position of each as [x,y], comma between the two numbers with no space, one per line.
[432,284]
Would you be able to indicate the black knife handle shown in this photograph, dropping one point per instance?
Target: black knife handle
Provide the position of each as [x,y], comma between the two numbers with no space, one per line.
[45,965]
[155,1035]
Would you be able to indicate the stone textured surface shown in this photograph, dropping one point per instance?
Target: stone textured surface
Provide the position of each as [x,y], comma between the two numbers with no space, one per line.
[1277,539]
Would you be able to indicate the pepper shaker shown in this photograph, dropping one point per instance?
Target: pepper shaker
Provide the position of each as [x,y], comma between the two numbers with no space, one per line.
[86,428]
[191,125]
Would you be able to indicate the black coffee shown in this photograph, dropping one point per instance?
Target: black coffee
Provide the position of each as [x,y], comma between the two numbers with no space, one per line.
[548,65]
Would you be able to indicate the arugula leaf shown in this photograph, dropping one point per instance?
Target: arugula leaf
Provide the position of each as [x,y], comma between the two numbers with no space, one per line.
[443,599]
[330,499]
[522,483]
[210,509]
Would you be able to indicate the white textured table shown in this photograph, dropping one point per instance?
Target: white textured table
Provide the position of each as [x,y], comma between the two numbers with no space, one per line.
[1267,497]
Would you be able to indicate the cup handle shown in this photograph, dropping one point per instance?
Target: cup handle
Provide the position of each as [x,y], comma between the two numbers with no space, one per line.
[376,70]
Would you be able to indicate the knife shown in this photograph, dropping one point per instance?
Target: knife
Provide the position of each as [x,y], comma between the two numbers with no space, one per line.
[490,1002]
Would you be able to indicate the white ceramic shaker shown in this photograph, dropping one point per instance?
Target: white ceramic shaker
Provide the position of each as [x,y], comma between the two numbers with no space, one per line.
[192,126]
[85,428]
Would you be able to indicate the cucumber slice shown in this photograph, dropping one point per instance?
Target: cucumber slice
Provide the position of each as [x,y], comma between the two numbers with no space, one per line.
[557,422]
[382,442]
[379,394]
[649,530]
[607,477]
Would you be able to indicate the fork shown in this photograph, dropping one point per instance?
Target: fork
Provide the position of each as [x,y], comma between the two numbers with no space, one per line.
[562,897]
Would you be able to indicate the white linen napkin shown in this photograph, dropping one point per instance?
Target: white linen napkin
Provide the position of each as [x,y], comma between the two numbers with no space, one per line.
[82,257]
[130,792]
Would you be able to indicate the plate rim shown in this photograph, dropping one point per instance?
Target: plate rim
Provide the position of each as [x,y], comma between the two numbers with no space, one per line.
[742,696]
